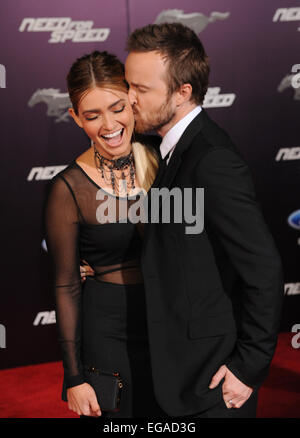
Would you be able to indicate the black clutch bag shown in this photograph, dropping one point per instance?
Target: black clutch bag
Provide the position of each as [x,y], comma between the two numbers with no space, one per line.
[107,386]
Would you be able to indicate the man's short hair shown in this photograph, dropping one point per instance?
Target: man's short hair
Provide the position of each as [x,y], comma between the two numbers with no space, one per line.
[182,49]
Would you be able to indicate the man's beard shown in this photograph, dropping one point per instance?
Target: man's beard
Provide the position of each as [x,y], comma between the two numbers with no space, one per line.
[162,117]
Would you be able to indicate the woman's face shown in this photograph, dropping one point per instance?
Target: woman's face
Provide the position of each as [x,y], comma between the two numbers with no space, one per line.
[107,118]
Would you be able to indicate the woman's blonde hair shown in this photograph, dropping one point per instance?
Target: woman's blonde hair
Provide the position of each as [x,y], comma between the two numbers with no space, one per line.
[146,164]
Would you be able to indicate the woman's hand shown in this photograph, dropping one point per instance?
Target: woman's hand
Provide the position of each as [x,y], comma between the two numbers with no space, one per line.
[85,270]
[82,400]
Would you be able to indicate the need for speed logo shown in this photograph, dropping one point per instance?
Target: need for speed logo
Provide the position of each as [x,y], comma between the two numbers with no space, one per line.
[65,29]
[287,14]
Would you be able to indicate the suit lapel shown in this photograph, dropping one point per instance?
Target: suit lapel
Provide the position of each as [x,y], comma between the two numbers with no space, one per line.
[183,144]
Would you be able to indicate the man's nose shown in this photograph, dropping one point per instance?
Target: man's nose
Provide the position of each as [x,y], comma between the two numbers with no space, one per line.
[132,97]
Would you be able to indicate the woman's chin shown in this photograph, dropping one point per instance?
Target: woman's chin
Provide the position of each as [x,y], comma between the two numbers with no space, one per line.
[115,151]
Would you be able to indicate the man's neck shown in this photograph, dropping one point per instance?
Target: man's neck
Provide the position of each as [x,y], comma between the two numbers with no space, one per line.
[180,114]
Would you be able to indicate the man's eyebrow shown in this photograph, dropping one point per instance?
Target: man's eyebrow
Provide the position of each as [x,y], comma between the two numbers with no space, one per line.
[98,111]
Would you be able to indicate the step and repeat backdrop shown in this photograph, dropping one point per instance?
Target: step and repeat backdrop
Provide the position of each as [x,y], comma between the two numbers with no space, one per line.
[254,94]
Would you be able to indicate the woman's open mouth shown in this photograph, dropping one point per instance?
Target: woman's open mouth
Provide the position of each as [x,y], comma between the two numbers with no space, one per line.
[115,138]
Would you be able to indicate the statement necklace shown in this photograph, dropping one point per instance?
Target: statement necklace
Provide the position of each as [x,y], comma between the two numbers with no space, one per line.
[121,163]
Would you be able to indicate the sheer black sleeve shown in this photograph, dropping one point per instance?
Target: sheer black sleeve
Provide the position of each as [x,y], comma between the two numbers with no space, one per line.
[62,227]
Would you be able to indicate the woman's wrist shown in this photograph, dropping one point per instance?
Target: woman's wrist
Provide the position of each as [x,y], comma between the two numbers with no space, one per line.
[74,381]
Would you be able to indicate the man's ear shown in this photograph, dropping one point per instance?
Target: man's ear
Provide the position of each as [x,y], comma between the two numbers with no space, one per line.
[184,94]
[75,117]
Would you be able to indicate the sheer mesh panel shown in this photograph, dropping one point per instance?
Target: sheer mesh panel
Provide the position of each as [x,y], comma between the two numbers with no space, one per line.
[84,222]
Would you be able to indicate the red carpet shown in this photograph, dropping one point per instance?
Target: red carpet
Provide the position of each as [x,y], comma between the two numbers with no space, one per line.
[34,391]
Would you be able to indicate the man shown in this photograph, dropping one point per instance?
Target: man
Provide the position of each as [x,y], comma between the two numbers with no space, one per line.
[213,298]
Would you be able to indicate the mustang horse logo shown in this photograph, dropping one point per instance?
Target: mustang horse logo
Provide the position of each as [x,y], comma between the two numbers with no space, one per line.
[195,21]
[286,83]
[57,103]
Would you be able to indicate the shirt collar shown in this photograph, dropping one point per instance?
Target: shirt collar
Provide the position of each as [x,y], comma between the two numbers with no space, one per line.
[173,135]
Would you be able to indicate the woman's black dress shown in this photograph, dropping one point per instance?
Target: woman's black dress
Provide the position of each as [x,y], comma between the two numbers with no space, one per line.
[102,322]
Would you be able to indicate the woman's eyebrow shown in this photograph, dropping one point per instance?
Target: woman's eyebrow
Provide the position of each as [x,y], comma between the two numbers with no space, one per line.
[116,103]
[98,111]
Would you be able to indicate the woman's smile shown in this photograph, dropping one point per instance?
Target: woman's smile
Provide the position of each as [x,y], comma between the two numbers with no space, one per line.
[114,139]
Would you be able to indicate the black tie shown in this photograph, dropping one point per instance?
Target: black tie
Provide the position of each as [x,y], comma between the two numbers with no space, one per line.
[167,156]
[164,161]
[161,170]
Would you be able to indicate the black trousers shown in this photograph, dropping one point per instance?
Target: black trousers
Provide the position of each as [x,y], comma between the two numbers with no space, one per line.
[115,338]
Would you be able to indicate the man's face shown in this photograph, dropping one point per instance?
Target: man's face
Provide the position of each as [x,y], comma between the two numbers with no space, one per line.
[146,74]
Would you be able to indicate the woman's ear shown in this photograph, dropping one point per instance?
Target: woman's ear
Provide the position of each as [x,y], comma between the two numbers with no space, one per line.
[75,117]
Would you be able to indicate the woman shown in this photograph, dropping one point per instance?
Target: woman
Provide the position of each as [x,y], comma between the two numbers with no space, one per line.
[103,321]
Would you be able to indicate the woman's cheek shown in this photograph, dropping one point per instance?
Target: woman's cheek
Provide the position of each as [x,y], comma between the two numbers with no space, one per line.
[130,118]
[91,129]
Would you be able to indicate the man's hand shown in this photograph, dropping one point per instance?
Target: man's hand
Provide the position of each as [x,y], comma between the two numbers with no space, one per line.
[85,270]
[235,393]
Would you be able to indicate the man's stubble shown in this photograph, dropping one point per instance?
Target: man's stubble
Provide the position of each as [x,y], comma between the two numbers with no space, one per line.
[155,122]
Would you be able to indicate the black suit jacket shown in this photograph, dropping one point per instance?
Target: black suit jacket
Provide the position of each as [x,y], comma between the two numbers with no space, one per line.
[212,298]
